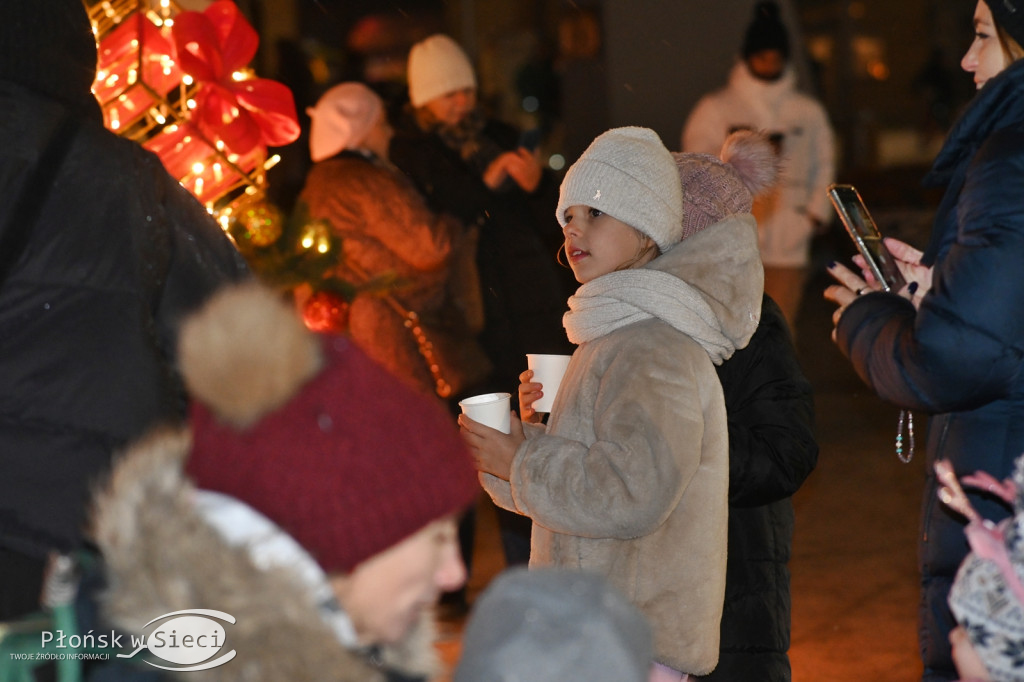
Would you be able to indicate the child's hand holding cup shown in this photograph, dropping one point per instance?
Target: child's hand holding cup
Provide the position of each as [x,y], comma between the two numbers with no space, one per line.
[489,409]
[540,383]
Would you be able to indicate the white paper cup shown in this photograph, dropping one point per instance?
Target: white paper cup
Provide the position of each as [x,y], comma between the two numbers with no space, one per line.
[490,409]
[547,370]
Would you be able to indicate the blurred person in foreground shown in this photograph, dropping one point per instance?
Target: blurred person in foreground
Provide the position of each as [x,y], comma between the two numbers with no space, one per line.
[314,498]
[102,253]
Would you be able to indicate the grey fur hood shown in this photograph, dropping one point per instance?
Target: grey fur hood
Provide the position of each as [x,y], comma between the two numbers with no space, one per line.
[161,557]
[723,263]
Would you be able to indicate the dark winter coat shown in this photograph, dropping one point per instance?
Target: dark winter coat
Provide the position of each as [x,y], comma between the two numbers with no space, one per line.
[118,254]
[524,292]
[959,356]
[772,450]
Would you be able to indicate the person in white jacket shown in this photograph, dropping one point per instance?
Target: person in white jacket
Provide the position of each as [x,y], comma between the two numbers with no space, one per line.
[761,95]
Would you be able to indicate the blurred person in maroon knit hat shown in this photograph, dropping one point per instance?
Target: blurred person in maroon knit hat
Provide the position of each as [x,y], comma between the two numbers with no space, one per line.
[317,503]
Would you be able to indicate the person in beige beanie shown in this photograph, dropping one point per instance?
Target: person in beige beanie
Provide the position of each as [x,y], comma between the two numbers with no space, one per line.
[473,167]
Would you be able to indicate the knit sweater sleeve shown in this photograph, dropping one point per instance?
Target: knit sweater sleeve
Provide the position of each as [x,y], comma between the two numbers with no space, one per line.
[648,424]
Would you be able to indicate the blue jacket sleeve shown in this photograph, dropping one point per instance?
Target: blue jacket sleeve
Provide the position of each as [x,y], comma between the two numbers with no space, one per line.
[963,348]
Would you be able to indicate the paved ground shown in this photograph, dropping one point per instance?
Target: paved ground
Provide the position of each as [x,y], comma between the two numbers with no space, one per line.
[854,577]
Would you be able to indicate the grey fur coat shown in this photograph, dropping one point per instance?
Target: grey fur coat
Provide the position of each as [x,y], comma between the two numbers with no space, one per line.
[630,477]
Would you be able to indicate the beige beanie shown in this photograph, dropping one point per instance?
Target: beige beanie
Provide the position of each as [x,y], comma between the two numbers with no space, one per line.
[437,66]
[342,118]
[630,175]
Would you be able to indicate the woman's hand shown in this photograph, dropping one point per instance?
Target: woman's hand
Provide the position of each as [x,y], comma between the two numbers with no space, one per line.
[492,450]
[497,171]
[529,393]
[525,169]
[908,259]
[849,287]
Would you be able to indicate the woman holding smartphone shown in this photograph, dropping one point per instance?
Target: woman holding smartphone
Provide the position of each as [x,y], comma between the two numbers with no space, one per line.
[951,343]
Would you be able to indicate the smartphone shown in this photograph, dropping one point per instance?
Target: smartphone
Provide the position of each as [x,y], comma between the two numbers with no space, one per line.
[864,233]
[530,139]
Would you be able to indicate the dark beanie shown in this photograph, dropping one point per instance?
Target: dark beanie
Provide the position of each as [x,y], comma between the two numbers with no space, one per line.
[48,46]
[766,31]
[1009,16]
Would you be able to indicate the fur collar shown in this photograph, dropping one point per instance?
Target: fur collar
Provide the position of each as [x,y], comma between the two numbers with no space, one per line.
[708,286]
[161,556]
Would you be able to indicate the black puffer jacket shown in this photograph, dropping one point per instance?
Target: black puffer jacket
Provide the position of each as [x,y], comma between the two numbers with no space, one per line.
[959,357]
[119,252]
[771,452]
[524,290]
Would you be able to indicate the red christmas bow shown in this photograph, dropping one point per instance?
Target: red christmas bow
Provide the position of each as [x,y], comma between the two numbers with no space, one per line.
[213,45]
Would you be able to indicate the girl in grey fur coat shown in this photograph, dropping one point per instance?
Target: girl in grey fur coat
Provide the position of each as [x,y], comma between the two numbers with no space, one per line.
[629,477]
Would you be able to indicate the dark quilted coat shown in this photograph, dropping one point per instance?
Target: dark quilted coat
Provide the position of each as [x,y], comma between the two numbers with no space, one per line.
[772,450]
[119,252]
[959,357]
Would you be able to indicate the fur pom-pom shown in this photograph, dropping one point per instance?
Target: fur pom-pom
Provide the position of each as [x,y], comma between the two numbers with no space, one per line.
[752,156]
[246,353]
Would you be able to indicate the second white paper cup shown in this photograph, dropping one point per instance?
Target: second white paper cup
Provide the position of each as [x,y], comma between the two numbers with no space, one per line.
[490,409]
[547,370]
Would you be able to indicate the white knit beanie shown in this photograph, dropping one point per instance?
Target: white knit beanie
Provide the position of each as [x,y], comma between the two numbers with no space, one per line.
[630,175]
[437,66]
[341,119]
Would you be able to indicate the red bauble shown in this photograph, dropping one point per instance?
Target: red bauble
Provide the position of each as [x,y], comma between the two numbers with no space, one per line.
[326,312]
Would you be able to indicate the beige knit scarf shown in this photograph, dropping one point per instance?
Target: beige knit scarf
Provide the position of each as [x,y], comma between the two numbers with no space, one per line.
[622,298]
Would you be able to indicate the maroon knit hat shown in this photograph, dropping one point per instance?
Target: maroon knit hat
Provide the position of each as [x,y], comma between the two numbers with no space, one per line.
[311,433]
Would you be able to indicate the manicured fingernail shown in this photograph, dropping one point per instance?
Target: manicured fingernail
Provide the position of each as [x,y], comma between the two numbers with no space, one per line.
[912,288]
[831,264]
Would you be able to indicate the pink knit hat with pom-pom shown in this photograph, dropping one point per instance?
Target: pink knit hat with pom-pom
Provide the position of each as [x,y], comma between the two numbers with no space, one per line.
[715,187]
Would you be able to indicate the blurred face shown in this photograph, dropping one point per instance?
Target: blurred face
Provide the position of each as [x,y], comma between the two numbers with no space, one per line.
[766,64]
[968,664]
[386,594]
[451,108]
[596,243]
[985,57]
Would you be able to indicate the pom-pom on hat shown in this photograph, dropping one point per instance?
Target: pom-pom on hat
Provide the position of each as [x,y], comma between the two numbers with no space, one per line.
[766,31]
[548,625]
[309,432]
[630,175]
[437,66]
[714,187]
[341,119]
[1009,16]
[987,597]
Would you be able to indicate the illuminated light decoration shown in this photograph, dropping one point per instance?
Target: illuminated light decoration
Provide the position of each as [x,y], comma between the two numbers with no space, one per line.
[148,95]
[136,67]
[212,47]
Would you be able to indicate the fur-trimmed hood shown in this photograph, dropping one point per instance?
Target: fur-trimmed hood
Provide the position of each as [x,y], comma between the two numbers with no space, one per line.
[161,557]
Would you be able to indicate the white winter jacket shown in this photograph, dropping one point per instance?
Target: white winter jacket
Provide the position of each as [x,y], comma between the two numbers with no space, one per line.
[784,216]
